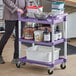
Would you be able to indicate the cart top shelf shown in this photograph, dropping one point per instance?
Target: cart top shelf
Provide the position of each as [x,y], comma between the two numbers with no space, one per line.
[49,20]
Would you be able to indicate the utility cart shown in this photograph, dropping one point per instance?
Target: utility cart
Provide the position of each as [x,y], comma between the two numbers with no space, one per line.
[52,20]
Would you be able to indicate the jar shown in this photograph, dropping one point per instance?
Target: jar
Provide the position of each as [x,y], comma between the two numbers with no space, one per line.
[28,32]
[38,35]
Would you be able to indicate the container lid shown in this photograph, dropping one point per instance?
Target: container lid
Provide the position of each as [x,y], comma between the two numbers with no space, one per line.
[38,32]
[57,3]
[33,7]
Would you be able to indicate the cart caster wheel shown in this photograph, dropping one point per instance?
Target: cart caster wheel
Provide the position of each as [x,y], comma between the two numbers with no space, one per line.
[18,65]
[63,66]
[50,72]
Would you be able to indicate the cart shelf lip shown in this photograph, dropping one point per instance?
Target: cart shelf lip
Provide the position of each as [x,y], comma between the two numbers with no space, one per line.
[49,20]
[58,61]
[44,43]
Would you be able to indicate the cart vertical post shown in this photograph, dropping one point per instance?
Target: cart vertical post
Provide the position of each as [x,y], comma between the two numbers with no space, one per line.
[65,36]
[52,26]
[19,30]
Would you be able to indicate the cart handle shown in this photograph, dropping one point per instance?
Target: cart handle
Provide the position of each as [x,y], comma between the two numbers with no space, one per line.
[19,15]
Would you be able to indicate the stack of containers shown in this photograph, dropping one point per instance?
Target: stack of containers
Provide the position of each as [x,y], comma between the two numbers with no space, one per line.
[57,8]
[31,10]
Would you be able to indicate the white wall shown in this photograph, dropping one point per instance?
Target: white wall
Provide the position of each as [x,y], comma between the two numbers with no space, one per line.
[71,29]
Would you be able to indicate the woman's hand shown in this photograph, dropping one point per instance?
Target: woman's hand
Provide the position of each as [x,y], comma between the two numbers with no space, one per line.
[20,10]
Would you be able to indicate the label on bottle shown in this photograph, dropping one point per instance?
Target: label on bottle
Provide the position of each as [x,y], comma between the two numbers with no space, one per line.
[47,37]
[59,35]
[38,35]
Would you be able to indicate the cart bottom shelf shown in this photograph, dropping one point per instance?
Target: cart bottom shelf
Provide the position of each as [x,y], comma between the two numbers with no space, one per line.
[58,61]
[61,61]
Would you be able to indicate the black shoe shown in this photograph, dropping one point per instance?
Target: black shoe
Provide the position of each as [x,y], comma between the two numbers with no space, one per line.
[1,60]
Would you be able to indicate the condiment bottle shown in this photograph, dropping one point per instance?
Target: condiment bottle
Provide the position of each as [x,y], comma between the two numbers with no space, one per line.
[58,33]
[46,35]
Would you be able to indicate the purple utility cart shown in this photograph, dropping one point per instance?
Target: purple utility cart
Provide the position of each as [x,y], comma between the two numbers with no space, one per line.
[52,20]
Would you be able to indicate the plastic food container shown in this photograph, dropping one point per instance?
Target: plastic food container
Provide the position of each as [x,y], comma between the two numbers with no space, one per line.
[57,11]
[58,5]
[42,53]
[31,10]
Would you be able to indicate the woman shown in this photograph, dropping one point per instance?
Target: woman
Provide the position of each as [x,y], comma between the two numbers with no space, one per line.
[11,21]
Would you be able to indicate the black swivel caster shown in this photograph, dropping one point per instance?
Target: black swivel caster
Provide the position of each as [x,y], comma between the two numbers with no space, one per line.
[50,72]
[63,66]
[18,65]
